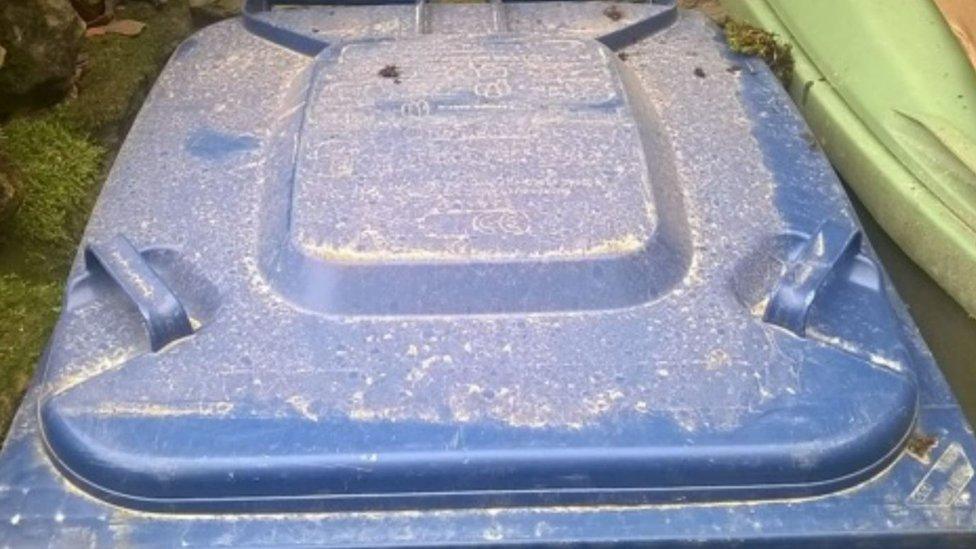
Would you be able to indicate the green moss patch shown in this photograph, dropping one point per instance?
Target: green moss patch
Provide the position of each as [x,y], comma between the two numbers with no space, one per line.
[58,170]
[748,40]
[29,310]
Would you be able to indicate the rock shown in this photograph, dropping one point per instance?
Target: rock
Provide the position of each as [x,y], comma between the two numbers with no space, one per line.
[89,10]
[42,39]
[206,12]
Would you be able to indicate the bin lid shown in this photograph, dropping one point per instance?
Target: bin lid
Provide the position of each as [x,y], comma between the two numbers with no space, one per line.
[449,270]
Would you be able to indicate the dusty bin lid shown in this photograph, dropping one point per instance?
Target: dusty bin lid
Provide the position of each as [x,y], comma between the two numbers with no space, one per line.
[461,258]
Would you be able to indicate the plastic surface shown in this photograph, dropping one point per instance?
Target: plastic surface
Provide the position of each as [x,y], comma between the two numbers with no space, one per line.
[891,95]
[466,274]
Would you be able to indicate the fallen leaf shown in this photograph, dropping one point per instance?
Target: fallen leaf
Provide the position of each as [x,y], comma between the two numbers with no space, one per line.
[125,27]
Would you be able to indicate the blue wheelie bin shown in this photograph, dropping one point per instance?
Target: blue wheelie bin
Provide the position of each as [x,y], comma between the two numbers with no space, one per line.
[413,274]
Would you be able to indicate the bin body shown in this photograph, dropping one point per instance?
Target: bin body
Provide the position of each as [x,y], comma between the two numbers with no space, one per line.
[419,274]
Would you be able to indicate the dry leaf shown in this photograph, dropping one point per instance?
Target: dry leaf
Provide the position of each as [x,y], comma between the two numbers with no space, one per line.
[125,27]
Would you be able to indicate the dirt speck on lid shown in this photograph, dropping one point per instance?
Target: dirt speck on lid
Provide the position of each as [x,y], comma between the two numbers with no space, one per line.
[699,72]
[919,445]
[810,139]
[390,71]
[613,13]
[623,55]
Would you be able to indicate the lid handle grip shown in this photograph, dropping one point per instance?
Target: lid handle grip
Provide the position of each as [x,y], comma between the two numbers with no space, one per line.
[165,318]
[832,248]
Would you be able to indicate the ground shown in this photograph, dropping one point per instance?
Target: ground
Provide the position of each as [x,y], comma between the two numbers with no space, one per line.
[60,156]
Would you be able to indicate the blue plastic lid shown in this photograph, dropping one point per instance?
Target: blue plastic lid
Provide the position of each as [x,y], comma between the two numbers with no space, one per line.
[444,270]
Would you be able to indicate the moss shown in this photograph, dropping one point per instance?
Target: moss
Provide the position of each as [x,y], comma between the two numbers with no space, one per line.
[748,40]
[58,170]
[29,309]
